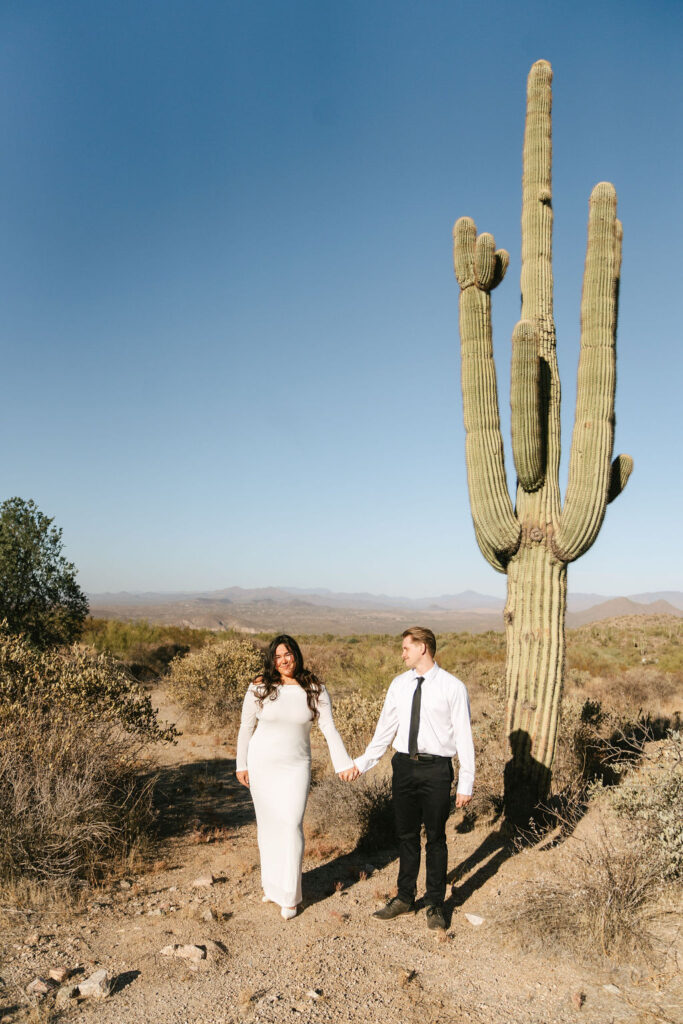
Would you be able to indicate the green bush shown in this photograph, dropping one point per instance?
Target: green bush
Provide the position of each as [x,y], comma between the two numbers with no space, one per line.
[210,683]
[73,725]
[93,687]
[651,800]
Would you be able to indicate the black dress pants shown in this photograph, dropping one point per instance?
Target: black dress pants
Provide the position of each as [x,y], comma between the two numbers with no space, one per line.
[421,795]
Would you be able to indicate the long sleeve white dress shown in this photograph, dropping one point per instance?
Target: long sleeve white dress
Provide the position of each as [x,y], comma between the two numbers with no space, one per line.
[277,755]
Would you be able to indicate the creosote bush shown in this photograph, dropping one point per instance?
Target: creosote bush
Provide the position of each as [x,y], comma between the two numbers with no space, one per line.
[92,686]
[73,728]
[210,683]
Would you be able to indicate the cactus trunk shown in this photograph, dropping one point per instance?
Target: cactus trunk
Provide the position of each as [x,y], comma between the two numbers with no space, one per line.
[534,626]
[534,542]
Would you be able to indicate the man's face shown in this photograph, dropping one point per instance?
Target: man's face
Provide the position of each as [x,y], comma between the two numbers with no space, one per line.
[411,651]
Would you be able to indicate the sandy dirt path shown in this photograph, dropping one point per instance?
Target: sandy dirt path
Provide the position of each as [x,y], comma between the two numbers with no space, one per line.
[332,963]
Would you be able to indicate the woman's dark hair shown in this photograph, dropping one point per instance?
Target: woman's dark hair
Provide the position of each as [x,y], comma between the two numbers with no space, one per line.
[269,682]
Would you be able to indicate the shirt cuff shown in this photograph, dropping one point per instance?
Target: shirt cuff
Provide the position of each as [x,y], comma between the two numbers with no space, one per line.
[465,783]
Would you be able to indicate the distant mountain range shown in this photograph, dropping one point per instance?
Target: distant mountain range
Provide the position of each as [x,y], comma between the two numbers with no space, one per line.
[318,610]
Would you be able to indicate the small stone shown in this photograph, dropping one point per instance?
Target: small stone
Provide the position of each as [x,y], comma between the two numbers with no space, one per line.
[169,950]
[314,994]
[59,974]
[194,953]
[612,989]
[214,948]
[208,915]
[66,994]
[38,987]
[155,913]
[474,919]
[33,939]
[578,999]
[98,985]
[125,884]
[204,881]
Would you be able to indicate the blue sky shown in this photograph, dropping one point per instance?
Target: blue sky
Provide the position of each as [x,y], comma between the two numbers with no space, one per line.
[229,315]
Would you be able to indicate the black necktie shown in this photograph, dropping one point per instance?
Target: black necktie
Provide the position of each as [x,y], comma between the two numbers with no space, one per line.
[415,717]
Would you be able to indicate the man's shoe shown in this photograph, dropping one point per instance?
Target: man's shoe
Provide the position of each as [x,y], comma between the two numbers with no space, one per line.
[435,918]
[393,908]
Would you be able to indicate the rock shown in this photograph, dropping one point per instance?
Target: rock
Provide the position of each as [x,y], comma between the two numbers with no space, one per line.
[98,985]
[38,987]
[66,994]
[169,950]
[33,939]
[612,989]
[208,915]
[578,999]
[125,884]
[59,974]
[314,994]
[204,881]
[474,919]
[193,953]
[158,912]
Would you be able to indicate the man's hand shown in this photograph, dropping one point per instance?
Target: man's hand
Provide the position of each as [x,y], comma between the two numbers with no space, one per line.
[461,800]
[243,777]
[349,774]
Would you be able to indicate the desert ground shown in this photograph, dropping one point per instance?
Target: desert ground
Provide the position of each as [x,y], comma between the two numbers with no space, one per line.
[185,939]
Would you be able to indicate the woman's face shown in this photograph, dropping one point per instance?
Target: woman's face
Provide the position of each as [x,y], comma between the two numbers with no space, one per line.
[284,661]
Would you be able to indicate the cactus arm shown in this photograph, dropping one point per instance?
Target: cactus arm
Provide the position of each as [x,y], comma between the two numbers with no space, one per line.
[591,452]
[527,435]
[622,467]
[479,267]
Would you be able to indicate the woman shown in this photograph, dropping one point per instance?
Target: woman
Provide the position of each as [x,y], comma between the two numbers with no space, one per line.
[274,762]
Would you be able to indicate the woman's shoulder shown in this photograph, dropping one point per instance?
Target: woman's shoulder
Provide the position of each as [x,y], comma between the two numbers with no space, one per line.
[256,684]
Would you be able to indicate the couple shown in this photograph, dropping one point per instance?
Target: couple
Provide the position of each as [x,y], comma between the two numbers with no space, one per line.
[426,714]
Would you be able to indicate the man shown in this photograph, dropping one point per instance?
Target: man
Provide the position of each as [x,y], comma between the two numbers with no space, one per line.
[427,715]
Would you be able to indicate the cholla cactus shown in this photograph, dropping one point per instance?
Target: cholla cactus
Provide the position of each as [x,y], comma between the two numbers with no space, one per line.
[533,542]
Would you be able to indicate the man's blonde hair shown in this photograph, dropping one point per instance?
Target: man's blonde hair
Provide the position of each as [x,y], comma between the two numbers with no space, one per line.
[422,635]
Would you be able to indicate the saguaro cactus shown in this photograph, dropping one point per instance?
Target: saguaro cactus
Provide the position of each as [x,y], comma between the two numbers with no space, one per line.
[533,542]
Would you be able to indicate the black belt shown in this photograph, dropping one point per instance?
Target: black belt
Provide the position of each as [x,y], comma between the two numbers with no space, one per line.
[426,758]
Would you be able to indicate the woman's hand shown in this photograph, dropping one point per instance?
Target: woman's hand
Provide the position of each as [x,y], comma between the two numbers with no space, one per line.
[350,774]
[243,778]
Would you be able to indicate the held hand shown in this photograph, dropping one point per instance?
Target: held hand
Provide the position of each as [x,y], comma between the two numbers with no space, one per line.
[350,774]
[461,800]
[243,777]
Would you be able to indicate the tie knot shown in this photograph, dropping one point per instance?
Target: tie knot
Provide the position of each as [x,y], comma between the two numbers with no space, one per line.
[420,680]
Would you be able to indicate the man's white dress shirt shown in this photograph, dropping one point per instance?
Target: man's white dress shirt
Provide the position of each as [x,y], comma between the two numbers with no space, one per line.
[444,722]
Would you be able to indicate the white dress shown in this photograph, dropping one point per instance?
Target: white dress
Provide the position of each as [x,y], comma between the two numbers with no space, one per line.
[277,755]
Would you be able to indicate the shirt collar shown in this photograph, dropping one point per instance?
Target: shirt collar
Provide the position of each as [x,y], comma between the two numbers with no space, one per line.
[429,675]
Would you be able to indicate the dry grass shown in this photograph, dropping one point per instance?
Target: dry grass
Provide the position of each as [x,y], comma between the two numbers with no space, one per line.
[72,797]
[343,816]
[602,905]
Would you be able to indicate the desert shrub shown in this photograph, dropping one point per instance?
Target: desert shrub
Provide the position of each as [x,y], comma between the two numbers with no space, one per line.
[600,904]
[355,716]
[651,799]
[343,816]
[72,797]
[91,686]
[210,683]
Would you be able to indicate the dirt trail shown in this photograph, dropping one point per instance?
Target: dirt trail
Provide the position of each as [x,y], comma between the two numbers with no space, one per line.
[332,963]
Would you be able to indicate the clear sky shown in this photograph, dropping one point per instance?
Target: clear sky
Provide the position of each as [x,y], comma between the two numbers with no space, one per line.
[229,314]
